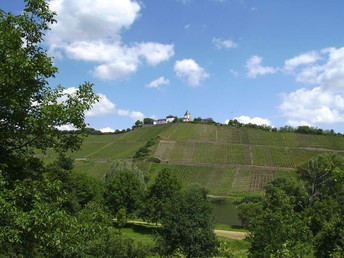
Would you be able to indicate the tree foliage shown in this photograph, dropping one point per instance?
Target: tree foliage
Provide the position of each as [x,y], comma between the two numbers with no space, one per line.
[303,216]
[30,110]
[159,194]
[124,184]
[187,226]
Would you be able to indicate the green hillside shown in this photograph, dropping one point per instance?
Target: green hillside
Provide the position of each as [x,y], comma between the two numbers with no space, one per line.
[227,160]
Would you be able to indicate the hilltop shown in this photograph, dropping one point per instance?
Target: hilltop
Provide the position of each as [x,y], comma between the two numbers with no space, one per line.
[225,159]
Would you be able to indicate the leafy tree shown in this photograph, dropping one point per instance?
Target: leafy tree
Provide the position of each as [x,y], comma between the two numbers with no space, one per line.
[33,221]
[324,176]
[159,194]
[303,215]
[30,110]
[187,226]
[148,121]
[138,123]
[125,187]
[279,231]
[248,211]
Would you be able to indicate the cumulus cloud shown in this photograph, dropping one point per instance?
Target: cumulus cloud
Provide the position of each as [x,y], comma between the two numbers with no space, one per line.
[158,82]
[107,130]
[224,43]
[255,67]
[102,107]
[304,59]
[329,74]
[325,102]
[313,106]
[254,120]
[135,115]
[89,30]
[189,70]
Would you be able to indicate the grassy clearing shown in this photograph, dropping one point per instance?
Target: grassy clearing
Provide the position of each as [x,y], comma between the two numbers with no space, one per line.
[234,248]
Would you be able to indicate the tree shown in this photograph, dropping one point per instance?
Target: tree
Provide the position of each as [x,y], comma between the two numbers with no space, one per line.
[138,123]
[279,231]
[323,176]
[248,211]
[34,221]
[148,121]
[159,194]
[187,226]
[125,186]
[31,111]
[304,215]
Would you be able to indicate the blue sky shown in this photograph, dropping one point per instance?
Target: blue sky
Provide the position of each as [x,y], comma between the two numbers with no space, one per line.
[262,61]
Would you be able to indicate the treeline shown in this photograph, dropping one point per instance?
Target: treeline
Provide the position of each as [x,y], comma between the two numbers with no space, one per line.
[304,129]
[92,131]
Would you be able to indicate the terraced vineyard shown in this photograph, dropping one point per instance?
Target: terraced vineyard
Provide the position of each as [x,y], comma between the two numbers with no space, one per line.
[226,160]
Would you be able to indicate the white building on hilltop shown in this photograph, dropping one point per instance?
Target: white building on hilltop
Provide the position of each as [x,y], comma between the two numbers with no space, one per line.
[187,117]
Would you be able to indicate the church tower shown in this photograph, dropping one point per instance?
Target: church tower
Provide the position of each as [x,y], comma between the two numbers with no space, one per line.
[187,117]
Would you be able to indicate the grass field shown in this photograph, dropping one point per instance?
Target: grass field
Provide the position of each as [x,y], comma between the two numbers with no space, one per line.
[226,160]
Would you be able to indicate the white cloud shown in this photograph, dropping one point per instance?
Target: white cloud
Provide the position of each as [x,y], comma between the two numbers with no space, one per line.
[224,43]
[155,53]
[102,107]
[254,120]
[107,130]
[325,102]
[158,82]
[303,59]
[191,71]
[66,128]
[187,26]
[89,30]
[255,68]
[135,115]
[323,68]
[313,106]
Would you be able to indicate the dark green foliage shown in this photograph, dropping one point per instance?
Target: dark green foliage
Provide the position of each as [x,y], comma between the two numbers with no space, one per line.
[248,211]
[125,186]
[138,123]
[159,194]
[303,216]
[324,176]
[278,231]
[30,111]
[187,226]
[148,121]
[145,150]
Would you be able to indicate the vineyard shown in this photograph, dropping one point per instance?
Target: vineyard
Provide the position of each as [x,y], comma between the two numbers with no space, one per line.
[226,160]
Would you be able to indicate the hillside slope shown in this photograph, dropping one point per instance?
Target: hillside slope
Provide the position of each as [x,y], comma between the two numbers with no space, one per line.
[225,159]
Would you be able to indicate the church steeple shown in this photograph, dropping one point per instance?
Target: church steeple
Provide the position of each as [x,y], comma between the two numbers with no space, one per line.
[187,117]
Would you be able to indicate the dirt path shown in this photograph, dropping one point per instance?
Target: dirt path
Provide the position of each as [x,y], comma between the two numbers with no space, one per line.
[236,235]
[230,234]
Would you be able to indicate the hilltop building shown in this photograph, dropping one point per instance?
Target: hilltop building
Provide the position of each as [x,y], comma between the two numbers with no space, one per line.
[167,120]
[170,118]
[187,117]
